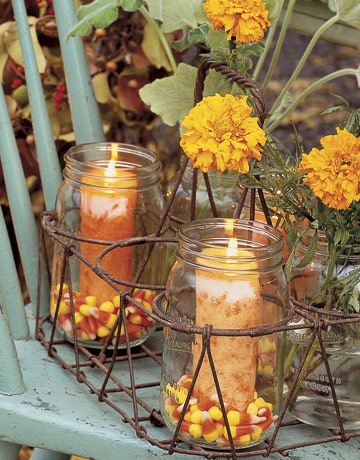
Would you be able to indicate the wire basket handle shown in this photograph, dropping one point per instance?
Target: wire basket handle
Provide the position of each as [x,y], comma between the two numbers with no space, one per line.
[207,64]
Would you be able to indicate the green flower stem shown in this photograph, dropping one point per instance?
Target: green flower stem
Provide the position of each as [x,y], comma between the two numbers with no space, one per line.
[279,42]
[289,358]
[303,59]
[304,373]
[268,41]
[161,37]
[315,85]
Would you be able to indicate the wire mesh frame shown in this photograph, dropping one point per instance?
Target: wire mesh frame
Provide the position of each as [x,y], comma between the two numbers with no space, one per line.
[107,364]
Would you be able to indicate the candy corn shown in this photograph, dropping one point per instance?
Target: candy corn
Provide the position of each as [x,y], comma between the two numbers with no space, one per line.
[204,418]
[94,321]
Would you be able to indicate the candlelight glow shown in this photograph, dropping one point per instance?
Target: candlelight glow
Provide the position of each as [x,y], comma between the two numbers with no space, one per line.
[110,170]
[232,249]
[229,227]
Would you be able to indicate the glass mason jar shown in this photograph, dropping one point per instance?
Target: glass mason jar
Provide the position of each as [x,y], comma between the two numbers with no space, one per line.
[225,190]
[228,273]
[312,402]
[111,192]
[224,187]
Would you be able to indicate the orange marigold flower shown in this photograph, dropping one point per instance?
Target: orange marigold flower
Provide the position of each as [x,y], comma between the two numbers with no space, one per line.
[220,134]
[246,20]
[333,173]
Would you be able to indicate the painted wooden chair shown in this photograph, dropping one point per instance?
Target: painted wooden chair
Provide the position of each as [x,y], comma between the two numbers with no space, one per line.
[41,405]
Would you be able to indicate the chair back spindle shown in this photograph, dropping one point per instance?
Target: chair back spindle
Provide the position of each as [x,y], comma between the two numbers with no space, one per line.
[9,451]
[10,287]
[21,209]
[11,381]
[46,151]
[84,108]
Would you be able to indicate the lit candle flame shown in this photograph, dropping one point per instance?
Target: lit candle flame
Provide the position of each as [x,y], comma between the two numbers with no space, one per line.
[232,249]
[111,170]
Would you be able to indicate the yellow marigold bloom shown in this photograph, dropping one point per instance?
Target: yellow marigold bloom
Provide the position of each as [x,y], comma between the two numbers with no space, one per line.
[333,173]
[221,134]
[246,20]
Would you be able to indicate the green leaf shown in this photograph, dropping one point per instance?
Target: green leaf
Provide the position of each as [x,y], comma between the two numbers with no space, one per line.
[348,11]
[337,236]
[99,13]
[332,109]
[331,266]
[217,39]
[217,83]
[184,43]
[132,5]
[199,34]
[309,254]
[171,97]
[274,8]
[174,14]
[345,101]
[201,16]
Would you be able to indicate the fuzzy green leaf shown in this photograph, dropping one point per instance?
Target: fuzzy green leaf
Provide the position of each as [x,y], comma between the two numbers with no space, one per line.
[171,97]
[174,14]
[217,39]
[99,13]
[333,109]
[309,254]
[217,83]
[349,11]
[132,5]
[274,8]
[199,34]
[201,16]
[184,43]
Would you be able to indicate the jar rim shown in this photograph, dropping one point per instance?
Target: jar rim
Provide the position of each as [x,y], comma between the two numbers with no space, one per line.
[257,251]
[143,162]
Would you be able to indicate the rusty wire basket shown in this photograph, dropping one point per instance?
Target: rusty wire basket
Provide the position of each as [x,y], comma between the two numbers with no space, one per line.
[119,369]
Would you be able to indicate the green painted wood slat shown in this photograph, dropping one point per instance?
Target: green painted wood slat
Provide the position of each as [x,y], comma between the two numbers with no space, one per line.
[20,207]
[47,155]
[84,108]
[11,381]
[10,290]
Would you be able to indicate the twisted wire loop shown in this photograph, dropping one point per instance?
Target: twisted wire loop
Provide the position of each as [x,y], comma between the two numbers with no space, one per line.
[259,103]
[236,77]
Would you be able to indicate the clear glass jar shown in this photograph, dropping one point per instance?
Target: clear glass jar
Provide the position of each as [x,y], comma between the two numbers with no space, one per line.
[312,402]
[111,192]
[225,190]
[228,273]
[224,187]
